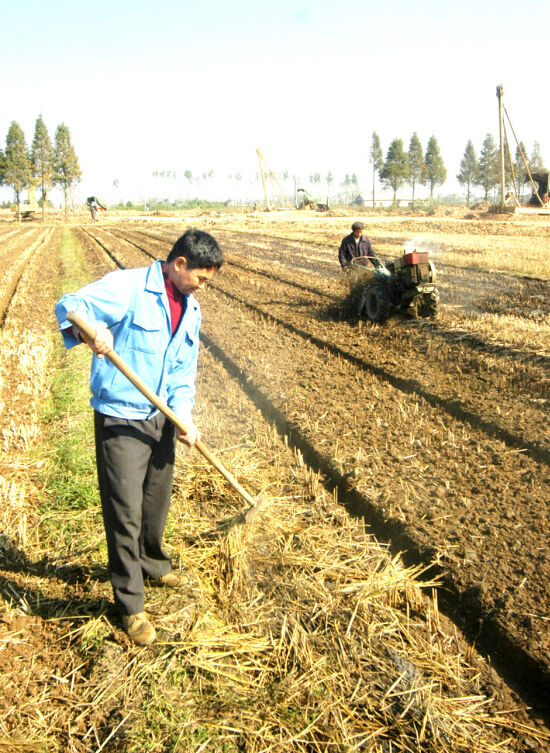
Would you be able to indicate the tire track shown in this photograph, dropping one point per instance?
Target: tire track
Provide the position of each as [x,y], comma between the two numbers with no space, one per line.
[406,385]
[16,273]
[521,671]
[486,629]
[436,329]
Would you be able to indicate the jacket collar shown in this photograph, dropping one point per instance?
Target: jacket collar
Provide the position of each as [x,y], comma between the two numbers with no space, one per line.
[155,280]
[155,284]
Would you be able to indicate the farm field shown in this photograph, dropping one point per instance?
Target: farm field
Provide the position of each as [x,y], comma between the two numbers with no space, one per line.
[433,433]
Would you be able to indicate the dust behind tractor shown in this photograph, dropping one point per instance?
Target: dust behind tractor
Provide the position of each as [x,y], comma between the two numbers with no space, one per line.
[407,285]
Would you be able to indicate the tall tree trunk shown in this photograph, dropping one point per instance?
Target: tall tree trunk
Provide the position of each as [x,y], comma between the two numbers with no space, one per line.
[73,206]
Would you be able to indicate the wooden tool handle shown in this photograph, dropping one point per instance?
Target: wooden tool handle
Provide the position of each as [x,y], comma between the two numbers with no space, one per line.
[89,332]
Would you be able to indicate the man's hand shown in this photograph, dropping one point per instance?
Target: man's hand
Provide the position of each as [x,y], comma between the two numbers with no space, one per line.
[103,341]
[189,434]
[102,344]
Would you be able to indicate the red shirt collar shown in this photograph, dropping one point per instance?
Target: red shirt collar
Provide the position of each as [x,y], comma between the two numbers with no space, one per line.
[171,289]
[176,300]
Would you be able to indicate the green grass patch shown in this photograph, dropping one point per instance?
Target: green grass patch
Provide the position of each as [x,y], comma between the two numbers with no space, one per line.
[70,478]
[174,715]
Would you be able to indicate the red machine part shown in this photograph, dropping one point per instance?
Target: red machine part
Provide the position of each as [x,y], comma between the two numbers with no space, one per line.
[415,257]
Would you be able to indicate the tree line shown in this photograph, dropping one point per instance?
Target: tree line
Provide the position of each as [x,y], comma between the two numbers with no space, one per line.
[484,171]
[414,167]
[43,164]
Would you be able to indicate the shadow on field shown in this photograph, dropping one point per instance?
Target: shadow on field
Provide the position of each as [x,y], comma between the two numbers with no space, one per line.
[523,673]
[34,599]
[454,408]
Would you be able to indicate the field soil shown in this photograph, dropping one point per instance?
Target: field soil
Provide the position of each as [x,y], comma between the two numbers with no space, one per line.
[435,432]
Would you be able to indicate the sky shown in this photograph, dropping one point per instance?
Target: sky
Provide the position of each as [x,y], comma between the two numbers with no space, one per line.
[173,86]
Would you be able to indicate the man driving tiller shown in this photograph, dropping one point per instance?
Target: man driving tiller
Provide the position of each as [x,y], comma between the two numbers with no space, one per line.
[356,245]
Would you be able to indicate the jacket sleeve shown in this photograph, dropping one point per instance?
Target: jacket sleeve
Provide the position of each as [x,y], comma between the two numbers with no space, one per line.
[104,301]
[370,250]
[342,255]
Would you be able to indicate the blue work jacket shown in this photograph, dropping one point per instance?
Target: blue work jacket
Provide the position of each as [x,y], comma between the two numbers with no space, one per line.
[134,305]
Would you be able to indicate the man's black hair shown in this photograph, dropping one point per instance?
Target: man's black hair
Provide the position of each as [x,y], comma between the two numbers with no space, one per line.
[199,248]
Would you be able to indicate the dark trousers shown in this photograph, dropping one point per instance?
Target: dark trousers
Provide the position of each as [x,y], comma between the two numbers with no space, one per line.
[135,463]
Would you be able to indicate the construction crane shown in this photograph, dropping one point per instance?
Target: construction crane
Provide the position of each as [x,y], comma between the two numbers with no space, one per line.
[268,174]
[539,202]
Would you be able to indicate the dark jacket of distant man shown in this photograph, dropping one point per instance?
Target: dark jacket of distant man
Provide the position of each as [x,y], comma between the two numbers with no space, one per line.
[349,249]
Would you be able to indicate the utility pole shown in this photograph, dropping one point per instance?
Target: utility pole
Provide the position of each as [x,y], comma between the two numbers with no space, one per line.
[500,92]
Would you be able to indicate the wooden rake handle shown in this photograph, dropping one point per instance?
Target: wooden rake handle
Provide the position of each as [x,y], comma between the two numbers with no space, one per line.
[89,334]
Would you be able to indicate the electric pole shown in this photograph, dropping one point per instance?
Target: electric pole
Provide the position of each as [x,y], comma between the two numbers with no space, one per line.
[500,91]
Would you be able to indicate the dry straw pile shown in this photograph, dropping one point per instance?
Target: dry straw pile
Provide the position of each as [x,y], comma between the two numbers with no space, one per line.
[297,633]
[302,633]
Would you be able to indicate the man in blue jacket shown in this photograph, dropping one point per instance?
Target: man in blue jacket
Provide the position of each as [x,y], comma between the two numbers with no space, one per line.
[356,244]
[151,318]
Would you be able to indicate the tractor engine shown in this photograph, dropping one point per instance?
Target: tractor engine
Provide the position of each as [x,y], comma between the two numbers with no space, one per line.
[405,284]
[411,270]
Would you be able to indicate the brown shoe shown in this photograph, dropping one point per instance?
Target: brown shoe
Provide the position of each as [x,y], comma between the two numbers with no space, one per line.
[171,580]
[139,628]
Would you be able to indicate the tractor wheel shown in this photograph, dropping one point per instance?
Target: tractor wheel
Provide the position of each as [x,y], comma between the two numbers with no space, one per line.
[429,306]
[376,304]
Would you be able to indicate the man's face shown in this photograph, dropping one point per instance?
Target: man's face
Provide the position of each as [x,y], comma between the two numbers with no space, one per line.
[358,233]
[188,280]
